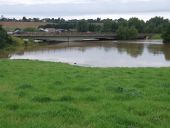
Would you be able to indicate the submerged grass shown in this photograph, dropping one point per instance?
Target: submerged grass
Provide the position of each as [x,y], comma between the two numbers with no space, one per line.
[37,94]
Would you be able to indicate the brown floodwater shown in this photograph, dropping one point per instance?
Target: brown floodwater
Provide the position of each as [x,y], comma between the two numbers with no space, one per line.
[141,53]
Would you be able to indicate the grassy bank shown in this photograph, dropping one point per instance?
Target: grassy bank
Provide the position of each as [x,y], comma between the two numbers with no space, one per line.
[53,95]
[156,37]
[19,45]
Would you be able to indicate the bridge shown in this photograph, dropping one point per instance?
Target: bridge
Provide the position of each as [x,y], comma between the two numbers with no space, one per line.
[68,37]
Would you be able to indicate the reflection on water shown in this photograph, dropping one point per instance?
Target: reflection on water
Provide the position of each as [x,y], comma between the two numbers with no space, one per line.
[160,49]
[145,53]
[134,50]
[4,54]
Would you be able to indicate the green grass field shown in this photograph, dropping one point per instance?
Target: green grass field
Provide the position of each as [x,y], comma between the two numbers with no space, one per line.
[37,94]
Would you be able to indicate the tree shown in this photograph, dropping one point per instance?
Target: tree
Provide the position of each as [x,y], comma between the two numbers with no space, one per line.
[92,27]
[122,33]
[122,22]
[24,19]
[166,34]
[107,25]
[36,19]
[156,25]
[138,24]
[98,19]
[132,33]
[5,40]
[114,26]
[82,26]
[126,33]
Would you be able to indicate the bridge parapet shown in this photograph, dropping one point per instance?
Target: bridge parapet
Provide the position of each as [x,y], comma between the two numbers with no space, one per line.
[44,34]
[72,36]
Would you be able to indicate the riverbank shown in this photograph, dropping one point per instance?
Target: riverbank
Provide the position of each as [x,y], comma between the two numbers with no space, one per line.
[47,95]
[19,45]
[156,37]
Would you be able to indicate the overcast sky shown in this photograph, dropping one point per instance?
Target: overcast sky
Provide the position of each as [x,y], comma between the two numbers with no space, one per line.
[84,8]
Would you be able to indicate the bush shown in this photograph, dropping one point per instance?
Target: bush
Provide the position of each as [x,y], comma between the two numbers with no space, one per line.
[166,34]
[5,40]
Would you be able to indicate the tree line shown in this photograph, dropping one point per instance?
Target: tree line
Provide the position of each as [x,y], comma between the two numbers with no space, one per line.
[154,25]
[126,29]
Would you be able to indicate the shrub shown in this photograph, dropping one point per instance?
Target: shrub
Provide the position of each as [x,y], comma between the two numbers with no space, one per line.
[5,40]
[166,34]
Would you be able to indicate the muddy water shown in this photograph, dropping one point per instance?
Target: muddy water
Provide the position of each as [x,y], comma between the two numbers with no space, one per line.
[143,53]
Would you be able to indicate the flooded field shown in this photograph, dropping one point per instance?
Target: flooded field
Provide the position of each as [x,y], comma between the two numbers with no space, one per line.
[141,53]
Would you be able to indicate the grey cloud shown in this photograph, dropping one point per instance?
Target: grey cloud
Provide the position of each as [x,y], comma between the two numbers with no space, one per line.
[90,7]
